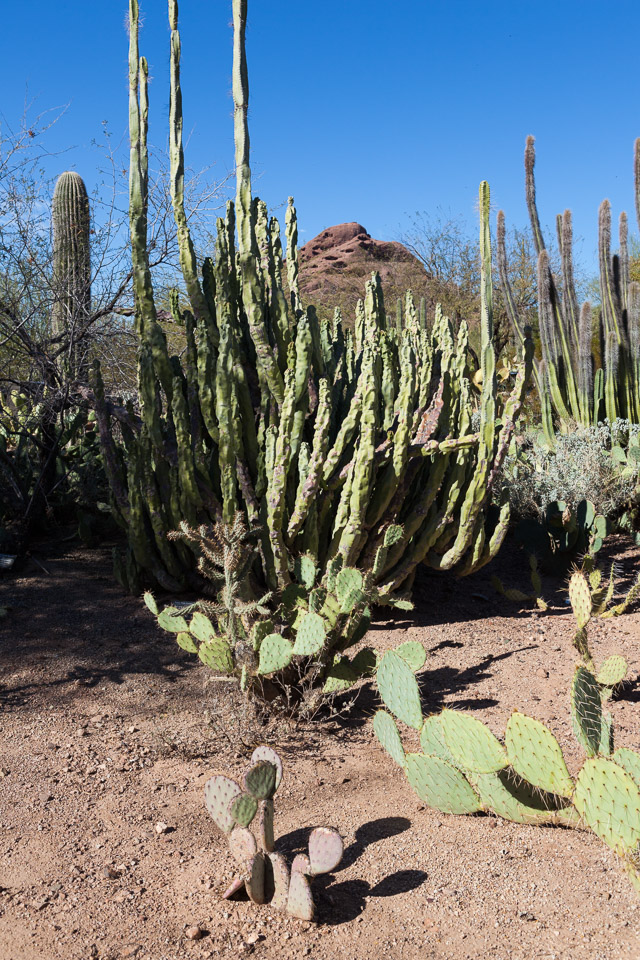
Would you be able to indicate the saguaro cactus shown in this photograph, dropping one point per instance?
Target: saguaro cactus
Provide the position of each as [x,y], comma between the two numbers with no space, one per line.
[71,221]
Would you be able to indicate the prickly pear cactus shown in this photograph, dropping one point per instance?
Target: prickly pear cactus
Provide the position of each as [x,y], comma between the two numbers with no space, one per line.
[464,768]
[265,874]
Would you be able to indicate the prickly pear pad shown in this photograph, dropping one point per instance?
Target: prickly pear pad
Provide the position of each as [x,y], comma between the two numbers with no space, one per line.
[608,800]
[385,729]
[586,710]
[580,597]
[612,672]
[275,653]
[260,780]
[472,745]
[244,809]
[325,850]
[310,636]
[412,653]
[630,761]
[399,690]
[432,739]
[509,796]
[535,754]
[219,794]
[267,753]
[440,785]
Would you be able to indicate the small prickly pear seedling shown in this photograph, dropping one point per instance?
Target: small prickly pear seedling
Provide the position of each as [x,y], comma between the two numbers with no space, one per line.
[265,874]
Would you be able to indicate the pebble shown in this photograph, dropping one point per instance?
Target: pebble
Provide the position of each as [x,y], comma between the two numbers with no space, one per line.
[193,933]
[162,827]
[255,938]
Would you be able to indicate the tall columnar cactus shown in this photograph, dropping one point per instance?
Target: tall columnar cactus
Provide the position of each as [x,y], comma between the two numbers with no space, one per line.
[71,222]
[464,768]
[265,874]
[323,437]
[570,381]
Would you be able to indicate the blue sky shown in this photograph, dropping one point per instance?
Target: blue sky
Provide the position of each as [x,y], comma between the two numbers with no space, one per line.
[364,110]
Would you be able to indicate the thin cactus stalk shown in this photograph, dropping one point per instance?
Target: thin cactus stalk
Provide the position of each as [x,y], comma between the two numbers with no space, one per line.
[569,382]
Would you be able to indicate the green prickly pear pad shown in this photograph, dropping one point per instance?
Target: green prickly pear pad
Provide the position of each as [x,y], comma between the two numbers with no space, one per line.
[260,780]
[535,754]
[305,570]
[385,729]
[340,676]
[201,627]
[267,753]
[275,653]
[150,601]
[612,671]
[608,800]
[412,653]
[440,785]
[217,655]
[629,760]
[472,745]
[244,809]
[349,588]
[586,710]
[186,641]
[432,739]
[509,796]
[311,635]
[399,689]
[171,621]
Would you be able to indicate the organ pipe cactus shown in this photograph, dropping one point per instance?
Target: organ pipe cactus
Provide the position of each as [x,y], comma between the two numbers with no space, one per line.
[464,768]
[324,437]
[265,874]
[572,382]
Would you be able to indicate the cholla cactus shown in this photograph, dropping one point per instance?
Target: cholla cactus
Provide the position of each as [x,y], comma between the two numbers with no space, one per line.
[265,874]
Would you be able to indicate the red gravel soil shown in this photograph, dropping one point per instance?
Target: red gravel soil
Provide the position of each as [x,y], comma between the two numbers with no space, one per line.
[108,733]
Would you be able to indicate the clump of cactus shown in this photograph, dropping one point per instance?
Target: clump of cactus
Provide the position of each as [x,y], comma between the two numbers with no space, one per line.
[324,437]
[463,768]
[265,874]
[573,384]
[311,625]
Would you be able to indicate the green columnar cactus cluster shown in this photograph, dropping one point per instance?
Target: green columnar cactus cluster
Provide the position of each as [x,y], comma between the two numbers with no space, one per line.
[464,768]
[571,381]
[265,873]
[324,437]
[71,221]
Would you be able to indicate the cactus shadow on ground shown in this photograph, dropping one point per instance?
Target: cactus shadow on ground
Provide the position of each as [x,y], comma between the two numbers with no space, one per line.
[342,902]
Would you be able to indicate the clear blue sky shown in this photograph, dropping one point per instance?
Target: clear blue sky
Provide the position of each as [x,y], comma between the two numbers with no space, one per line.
[363,109]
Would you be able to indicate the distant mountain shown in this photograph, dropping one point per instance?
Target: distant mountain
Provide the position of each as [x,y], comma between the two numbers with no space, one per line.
[335,265]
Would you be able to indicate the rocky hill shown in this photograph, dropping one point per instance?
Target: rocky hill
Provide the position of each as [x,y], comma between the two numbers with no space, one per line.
[335,265]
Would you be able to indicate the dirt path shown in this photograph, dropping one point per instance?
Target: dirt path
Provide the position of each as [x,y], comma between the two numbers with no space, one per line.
[104,738]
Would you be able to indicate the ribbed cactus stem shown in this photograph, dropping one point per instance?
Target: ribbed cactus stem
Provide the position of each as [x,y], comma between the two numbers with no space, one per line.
[240,86]
[585,364]
[530,188]
[71,222]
